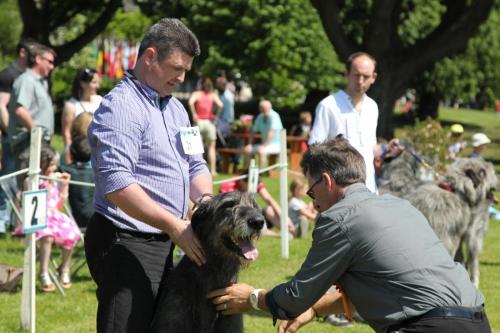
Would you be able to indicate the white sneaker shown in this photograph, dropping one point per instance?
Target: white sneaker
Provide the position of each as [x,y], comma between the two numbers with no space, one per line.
[338,320]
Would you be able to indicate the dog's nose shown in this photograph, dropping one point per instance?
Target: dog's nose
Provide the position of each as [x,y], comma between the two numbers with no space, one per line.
[257,222]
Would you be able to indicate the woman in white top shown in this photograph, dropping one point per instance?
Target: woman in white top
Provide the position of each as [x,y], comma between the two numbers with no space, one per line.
[85,99]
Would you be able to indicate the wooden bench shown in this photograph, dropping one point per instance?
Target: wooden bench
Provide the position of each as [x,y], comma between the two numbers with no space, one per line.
[294,153]
[226,155]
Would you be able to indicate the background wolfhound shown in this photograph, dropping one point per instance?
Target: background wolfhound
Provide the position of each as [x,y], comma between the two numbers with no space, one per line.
[456,204]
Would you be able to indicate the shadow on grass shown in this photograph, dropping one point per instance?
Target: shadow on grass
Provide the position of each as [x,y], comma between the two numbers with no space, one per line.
[489,263]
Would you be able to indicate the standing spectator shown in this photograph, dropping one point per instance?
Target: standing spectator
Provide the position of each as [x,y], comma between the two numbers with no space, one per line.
[202,105]
[479,142]
[380,250]
[226,115]
[7,77]
[457,141]
[352,113]
[81,198]
[84,99]
[61,229]
[268,125]
[31,104]
[145,175]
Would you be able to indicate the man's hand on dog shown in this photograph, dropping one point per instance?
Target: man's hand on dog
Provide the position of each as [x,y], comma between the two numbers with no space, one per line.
[232,299]
[184,237]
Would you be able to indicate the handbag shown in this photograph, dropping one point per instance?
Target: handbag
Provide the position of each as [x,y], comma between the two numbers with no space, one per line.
[9,277]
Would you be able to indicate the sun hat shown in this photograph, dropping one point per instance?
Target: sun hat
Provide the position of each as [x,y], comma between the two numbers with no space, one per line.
[456,128]
[480,139]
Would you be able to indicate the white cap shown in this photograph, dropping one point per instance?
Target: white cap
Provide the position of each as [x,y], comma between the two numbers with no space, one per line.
[479,139]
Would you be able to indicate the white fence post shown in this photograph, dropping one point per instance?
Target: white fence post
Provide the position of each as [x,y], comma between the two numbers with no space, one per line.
[28,310]
[253,177]
[284,195]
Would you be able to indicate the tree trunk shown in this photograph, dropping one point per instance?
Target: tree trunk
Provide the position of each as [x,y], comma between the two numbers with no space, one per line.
[42,18]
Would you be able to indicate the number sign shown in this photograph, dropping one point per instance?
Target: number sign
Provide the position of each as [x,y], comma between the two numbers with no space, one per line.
[34,210]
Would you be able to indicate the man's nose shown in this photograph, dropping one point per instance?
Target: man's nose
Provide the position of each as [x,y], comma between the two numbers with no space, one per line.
[180,78]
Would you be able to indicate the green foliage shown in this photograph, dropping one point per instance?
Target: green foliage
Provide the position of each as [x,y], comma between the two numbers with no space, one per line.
[10,30]
[474,75]
[124,26]
[129,26]
[431,142]
[418,19]
[279,47]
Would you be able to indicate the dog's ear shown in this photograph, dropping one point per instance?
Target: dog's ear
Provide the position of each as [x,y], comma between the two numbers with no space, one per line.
[200,213]
[476,177]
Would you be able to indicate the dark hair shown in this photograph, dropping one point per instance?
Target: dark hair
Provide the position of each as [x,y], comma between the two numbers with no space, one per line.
[80,149]
[338,159]
[38,50]
[207,84]
[355,55]
[47,154]
[83,75]
[26,44]
[168,35]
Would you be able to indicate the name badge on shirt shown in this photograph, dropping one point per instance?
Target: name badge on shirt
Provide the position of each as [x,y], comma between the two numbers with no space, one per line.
[191,140]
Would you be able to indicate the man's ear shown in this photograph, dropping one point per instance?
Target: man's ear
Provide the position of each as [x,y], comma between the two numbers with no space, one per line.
[150,55]
[329,181]
[374,77]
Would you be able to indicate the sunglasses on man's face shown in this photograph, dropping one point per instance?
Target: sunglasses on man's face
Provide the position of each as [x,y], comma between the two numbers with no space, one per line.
[310,191]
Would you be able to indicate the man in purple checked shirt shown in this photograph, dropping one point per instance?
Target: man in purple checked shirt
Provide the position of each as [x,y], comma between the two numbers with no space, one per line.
[145,176]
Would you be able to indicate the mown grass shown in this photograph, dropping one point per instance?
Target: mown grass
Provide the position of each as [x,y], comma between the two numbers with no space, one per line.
[76,311]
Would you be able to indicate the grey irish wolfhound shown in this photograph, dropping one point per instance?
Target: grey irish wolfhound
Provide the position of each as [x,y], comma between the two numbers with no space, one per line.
[226,225]
[456,204]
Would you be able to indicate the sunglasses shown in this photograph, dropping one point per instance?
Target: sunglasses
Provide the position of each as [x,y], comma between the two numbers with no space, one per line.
[310,191]
[50,61]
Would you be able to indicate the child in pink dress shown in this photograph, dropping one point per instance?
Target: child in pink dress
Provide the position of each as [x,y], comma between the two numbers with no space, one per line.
[61,230]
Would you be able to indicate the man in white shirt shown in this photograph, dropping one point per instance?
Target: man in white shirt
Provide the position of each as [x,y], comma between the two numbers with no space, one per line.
[352,113]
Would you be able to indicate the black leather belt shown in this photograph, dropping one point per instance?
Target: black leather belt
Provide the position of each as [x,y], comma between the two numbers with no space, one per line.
[471,313]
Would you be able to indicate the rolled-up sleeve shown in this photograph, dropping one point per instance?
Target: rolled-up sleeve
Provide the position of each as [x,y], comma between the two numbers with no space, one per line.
[328,258]
[115,145]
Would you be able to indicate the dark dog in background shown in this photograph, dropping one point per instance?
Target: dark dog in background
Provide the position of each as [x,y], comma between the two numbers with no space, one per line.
[456,204]
[226,225]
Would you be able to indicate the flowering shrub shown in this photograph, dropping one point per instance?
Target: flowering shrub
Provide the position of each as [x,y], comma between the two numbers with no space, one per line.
[244,124]
[430,141]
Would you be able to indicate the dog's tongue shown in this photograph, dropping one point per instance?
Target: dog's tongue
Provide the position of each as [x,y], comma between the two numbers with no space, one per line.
[248,250]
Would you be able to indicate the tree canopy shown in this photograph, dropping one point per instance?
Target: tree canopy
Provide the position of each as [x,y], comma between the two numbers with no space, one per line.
[49,22]
[406,37]
[276,46]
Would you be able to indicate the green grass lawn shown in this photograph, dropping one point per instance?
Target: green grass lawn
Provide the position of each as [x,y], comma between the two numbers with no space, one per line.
[76,311]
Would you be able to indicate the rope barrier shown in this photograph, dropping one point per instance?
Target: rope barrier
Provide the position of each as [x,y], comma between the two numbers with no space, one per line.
[72,182]
[13,174]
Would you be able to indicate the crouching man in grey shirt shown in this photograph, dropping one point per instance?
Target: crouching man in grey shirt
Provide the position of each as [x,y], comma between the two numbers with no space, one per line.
[379,250]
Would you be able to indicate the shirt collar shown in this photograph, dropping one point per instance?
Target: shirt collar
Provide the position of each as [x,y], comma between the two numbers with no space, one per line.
[147,91]
[34,74]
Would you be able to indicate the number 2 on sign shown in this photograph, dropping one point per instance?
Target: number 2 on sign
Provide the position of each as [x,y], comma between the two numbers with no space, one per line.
[34,210]
[34,219]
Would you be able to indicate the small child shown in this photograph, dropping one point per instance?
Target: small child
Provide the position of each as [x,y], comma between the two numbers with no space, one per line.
[61,229]
[299,212]
[457,141]
[479,142]
[81,198]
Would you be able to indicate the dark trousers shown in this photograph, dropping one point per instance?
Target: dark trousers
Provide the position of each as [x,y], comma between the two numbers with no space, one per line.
[128,268]
[443,324]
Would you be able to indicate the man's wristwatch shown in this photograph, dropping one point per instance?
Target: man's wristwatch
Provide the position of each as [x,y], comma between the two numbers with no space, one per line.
[254,298]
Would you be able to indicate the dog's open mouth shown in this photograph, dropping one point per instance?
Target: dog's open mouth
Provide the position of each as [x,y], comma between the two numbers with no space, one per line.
[244,247]
[492,197]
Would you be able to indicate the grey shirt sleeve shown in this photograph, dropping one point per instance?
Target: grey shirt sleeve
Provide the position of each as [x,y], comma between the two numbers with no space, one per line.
[328,258]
